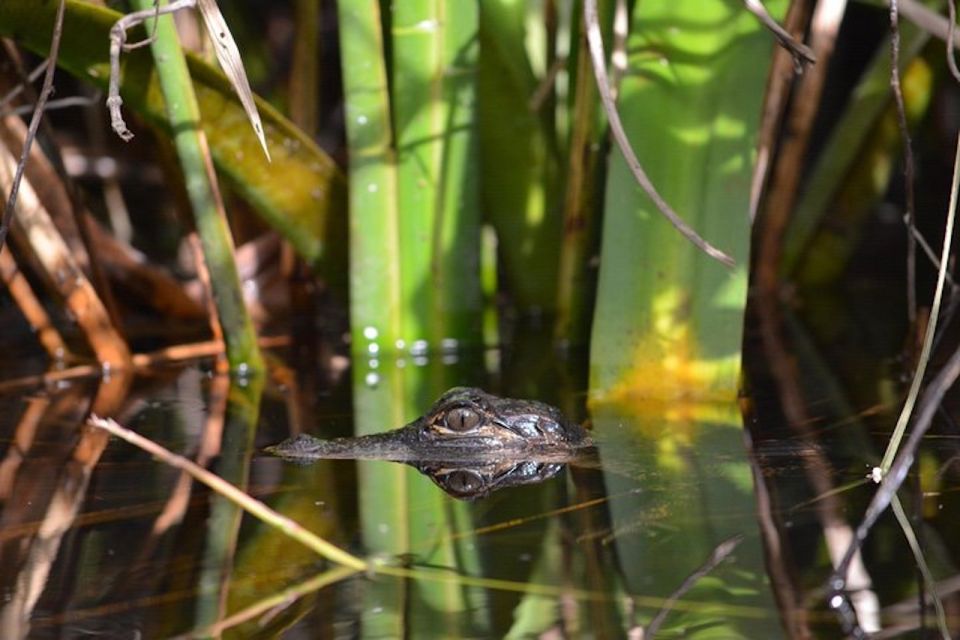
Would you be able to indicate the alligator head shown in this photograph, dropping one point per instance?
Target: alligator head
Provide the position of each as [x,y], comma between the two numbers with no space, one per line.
[470,442]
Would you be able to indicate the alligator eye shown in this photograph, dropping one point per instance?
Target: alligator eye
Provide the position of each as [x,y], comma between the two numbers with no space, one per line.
[462,419]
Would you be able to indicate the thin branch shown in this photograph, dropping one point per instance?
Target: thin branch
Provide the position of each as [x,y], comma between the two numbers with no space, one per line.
[908,170]
[888,488]
[895,472]
[595,40]
[53,105]
[802,54]
[17,90]
[45,93]
[719,553]
[542,92]
[951,43]
[926,19]
[929,252]
[233,494]
[118,39]
[924,358]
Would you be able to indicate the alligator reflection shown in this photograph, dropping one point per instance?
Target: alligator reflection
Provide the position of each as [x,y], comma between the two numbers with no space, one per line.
[469,443]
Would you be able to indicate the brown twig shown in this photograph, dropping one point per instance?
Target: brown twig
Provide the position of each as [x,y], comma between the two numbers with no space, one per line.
[118,42]
[776,100]
[141,361]
[802,54]
[779,201]
[63,272]
[45,93]
[595,40]
[31,307]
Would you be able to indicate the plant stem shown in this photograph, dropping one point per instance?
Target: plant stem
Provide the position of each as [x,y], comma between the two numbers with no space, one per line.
[243,354]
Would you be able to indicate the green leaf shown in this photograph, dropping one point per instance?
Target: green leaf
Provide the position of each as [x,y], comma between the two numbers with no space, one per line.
[669,319]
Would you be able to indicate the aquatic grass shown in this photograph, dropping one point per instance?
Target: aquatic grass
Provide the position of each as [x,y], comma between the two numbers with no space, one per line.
[417,152]
[276,601]
[668,319]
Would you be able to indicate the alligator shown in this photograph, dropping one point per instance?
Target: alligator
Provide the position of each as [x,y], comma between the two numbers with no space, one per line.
[469,443]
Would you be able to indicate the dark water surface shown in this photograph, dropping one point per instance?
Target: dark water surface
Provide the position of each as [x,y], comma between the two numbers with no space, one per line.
[97,539]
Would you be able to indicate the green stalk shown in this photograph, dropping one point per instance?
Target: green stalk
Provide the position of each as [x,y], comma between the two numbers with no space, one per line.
[573,301]
[434,69]
[375,285]
[200,181]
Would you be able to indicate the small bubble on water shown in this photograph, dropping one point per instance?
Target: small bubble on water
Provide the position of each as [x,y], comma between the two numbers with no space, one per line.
[420,361]
[373,363]
[419,348]
[373,348]
[373,187]
[361,120]
[449,344]
[450,358]
[370,333]
[400,344]
[371,379]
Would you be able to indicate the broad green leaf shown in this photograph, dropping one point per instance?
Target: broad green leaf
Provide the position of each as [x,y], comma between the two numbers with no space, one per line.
[668,320]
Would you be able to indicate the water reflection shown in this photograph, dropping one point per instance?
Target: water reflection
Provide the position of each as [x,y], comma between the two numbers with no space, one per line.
[601,546]
[479,480]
